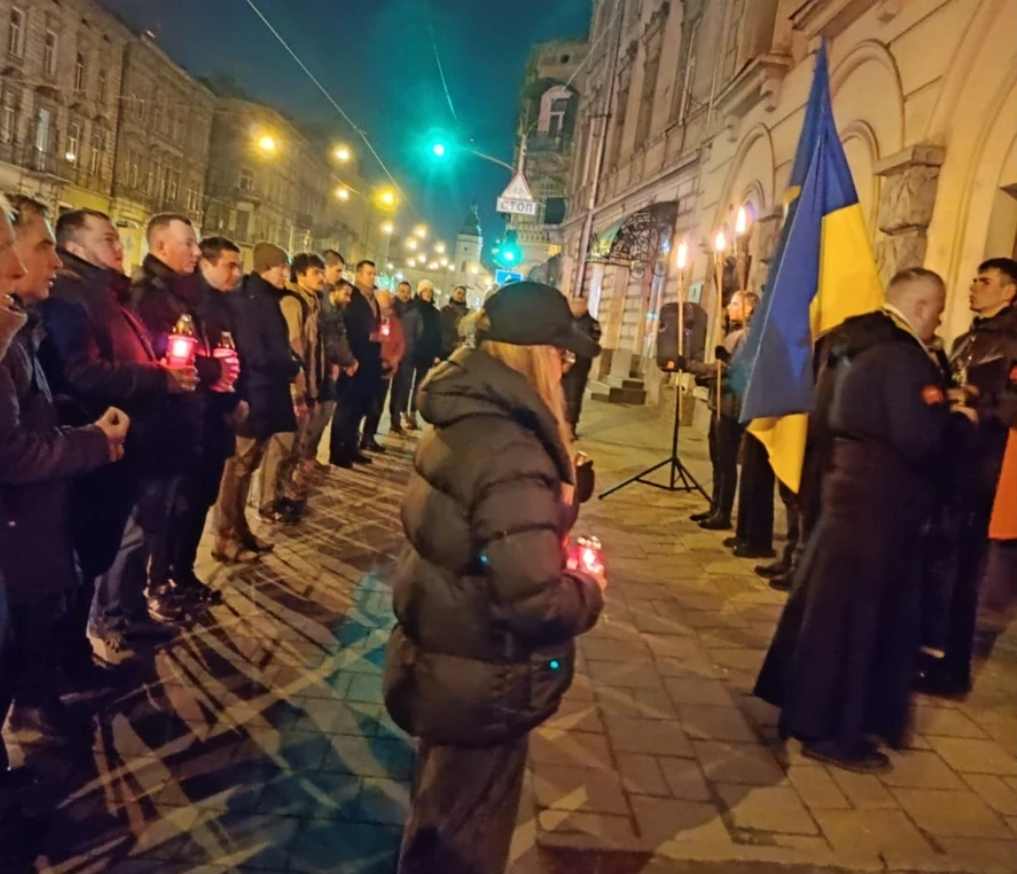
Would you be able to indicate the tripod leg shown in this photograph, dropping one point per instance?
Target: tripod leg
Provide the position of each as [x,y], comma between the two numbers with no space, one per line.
[633,479]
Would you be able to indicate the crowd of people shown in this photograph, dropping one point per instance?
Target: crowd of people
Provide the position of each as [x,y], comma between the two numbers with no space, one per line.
[888,534]
[132,407]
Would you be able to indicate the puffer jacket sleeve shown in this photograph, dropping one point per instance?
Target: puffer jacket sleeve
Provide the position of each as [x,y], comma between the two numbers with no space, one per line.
[516,519]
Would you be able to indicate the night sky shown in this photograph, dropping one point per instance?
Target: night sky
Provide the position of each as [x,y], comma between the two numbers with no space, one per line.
[375,57]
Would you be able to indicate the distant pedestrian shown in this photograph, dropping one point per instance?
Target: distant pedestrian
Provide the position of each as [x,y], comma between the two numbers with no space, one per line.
[451,315]
[487,612]
[579,374]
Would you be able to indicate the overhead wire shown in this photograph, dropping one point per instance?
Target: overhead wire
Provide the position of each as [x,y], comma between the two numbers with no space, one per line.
[441,74]
[327,95]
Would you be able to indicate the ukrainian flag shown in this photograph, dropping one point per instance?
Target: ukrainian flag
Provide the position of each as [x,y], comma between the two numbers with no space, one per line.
[823,273]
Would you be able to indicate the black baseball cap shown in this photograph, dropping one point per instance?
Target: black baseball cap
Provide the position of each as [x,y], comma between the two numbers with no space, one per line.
[534,314]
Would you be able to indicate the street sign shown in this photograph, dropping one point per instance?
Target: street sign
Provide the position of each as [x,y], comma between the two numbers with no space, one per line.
[517,199]
[504,277]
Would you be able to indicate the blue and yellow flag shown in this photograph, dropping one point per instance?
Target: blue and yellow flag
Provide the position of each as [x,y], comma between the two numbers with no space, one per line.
[824,272]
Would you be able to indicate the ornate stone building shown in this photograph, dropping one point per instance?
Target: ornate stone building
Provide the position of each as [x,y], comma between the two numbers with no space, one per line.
[163,134]
[547,115]
[60,71]
[689,110]
[268,181]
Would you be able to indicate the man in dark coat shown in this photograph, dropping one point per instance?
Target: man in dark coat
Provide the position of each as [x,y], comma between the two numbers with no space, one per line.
[269,368]
[339,358]
[574,381]
[841,662]
[402,380]
[38,459]
[451,315]
[982,362]
[363,329]
[422,322]
[219,274]
[165,291]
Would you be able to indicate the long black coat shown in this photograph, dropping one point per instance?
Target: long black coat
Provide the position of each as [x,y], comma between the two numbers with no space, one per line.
[38,459]
[269,364]
[487,612]
[841,662]
[422,323]
[362,327]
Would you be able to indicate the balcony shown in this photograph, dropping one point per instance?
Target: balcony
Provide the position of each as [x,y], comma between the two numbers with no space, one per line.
[545,143]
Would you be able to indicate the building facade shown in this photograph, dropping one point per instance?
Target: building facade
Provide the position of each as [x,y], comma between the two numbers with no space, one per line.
[60,82]
[546,123]
[692,109]
[165,122]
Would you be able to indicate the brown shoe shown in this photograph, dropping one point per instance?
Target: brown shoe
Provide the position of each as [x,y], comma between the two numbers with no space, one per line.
[229,552]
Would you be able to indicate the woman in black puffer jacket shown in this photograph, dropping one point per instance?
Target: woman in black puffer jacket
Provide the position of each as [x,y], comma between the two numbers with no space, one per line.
[487,610]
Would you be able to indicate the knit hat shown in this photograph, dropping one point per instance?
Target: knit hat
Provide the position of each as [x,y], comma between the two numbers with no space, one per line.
[534,314]
[267,256]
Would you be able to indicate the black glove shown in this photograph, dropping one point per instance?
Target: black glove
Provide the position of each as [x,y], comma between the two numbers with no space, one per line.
[722,354]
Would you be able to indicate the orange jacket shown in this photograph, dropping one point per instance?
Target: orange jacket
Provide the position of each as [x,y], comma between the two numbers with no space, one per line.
[1004,511]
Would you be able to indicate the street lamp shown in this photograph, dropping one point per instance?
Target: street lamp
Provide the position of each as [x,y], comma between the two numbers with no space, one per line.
[421,231]
[342,153]
[343,193]
[439,248]
[267,145]
[411,244]
[439,150]
[387,228]
[386,198]
[443,262]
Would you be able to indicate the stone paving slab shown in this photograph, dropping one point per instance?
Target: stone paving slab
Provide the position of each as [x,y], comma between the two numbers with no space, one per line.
[257,742]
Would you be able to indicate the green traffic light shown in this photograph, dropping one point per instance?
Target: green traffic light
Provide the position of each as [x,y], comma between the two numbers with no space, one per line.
[438,149]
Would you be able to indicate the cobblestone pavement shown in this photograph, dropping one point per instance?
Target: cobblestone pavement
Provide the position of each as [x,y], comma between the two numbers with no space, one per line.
[258,741]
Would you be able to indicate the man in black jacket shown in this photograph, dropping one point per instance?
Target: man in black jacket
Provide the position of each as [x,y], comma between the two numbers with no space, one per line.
[218,276]
[165,291]
[38,459]
[269,367]
[982,362]
[422,322]
[402,380]
[451,315]
[97,352]
[574,381]
[363,325]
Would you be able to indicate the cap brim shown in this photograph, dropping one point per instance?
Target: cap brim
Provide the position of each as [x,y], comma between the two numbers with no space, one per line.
[577,341]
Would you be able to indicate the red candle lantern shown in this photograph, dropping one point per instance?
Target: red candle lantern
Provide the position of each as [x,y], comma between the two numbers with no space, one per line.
[182,343]
[386,328]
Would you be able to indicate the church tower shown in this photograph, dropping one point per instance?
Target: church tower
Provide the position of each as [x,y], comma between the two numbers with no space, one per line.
[469,243]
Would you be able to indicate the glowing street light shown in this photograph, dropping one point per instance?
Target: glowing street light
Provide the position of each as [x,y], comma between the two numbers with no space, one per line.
[439,248]
[443,262]
[386,198]
[342,153]
[400,276]
[387,228]
[439,150]
[267,144]
[411,244]
[343,193]
[421,231]
[433,265]
[70,157]
[391,266]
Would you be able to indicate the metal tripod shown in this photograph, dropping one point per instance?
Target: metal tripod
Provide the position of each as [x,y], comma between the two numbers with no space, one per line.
[680,479]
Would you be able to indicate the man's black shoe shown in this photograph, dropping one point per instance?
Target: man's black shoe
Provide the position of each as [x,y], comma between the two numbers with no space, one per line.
[774,569]
[940,682]
[781,583]
[744,550]
[372,445]
[701,517]
[360,458]
[51,724]
[396,429]
[344,462]
[256,544]
[731,542]
[192,589]
[863,760]
[716,522]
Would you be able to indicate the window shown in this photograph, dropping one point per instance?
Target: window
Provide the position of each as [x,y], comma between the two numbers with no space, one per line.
[73,142]
[79,72]
[246,182]
[133,169]
[556,124]
[103,82]
[172,186]
[566,58]
[95,161]
[49,53]
[16,33]
[8,123]
[41,141]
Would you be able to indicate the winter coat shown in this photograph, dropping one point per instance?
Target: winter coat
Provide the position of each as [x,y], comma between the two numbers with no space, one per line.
[422,326]
[269,365]
[96,351]
[487,613]
[301,310]
[37,461]
[363,324]
[336,345]
[451,315]
[393,345]
[162,296]
[987,355]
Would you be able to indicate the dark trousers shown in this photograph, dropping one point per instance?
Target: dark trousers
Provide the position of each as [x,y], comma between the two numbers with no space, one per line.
[465,802]
[726,436]
[373,418]
[794,524]
[574,386]
[420,372]
[972,549]
[755,498]
[30,670]
[402,387]
[198,493]
[354,403]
